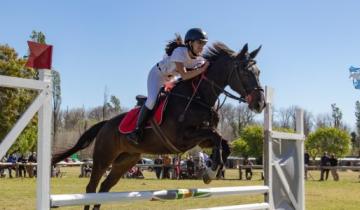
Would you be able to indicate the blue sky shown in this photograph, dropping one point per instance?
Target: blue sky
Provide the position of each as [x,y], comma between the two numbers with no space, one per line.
[308,46]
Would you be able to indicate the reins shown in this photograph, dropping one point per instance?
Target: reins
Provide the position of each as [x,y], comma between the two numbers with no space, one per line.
[213,85]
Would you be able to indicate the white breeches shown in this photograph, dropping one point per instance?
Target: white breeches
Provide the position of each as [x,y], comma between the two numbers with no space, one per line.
[154,83]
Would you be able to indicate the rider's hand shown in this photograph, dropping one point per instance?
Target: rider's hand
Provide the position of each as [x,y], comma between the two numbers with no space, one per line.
[205,66]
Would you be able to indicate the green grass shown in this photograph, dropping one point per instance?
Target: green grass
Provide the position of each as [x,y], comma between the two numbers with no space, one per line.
[20,193]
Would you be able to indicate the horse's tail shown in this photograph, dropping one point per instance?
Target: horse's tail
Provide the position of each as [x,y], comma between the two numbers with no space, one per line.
[83,142]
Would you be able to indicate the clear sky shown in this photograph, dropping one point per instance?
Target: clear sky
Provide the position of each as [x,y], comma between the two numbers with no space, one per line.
[308,46]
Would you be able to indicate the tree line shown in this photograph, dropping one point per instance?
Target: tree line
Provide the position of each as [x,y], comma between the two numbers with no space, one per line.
[324,132]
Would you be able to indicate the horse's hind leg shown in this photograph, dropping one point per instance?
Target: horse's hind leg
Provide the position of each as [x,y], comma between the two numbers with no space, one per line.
[119,167]
[102,161]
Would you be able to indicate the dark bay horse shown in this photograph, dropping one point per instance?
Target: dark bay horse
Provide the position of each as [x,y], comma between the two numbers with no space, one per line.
[185,129]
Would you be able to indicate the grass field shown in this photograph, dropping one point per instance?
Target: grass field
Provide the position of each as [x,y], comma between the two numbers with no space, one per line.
[20,193]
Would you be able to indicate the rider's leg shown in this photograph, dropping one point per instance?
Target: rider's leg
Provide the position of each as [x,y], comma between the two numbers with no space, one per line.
[136,135]
[154,84]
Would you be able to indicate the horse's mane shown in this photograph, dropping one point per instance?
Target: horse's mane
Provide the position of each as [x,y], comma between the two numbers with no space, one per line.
[216,51]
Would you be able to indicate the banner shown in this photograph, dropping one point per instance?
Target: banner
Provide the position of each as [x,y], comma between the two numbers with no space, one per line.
[40,56]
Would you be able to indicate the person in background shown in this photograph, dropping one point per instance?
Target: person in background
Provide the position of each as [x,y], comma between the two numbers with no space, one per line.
[22,160]
[306,163]
[334,163]
[32,168]
[158,169]
[167,165]
[324,164]
[248,168]
[11,159]
[190,166]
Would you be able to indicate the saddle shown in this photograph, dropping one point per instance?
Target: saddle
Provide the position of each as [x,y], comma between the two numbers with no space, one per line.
[128,124]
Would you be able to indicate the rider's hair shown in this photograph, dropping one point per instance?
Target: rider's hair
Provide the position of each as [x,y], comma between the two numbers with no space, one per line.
[173,44]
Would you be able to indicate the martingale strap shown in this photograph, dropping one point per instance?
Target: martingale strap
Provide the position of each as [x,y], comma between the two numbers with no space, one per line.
[164,139]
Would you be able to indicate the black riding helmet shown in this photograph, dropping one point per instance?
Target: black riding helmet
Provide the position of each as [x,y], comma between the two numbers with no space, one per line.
[193,35]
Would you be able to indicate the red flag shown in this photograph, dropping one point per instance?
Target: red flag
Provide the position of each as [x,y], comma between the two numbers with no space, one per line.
[40,56]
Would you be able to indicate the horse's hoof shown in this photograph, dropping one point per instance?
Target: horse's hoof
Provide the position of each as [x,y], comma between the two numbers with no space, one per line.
[206,178]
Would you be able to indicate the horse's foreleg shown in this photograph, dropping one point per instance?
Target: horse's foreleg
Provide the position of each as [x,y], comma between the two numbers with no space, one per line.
[225,148]
[119,167]
[211,139]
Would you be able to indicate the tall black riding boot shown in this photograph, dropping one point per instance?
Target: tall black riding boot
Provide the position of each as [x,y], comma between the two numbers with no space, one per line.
[136,135]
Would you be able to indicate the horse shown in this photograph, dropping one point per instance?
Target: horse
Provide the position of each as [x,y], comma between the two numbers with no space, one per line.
[190,119]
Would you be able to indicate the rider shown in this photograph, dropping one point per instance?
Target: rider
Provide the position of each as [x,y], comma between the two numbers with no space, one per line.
[175,63]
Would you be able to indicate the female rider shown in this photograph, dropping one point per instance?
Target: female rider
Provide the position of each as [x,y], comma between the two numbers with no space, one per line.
[179,58]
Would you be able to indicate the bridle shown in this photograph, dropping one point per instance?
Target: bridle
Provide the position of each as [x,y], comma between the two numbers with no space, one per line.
[246,97]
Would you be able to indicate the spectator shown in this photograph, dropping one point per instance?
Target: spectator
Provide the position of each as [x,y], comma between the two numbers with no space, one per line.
[86,168]
[177,169]
[190,166]
[11,159]
[248,168]
[55,171]
[167,166]
[32,168]
[306,162]
[22,161]
[324,164]
[135,172]
[334,163]
[158,169]
[202,159]
[2,168]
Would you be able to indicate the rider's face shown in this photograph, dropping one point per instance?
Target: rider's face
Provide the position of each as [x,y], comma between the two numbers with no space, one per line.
[198,46]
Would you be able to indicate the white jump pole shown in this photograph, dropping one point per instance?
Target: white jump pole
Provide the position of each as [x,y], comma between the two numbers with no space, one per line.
[96,198]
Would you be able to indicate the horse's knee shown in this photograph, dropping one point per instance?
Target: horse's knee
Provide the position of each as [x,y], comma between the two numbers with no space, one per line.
[225,149]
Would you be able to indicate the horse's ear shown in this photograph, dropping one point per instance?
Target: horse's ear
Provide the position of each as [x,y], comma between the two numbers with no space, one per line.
[255,52]
[243,52]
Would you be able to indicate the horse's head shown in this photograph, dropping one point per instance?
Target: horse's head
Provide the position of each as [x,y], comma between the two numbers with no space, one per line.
[243,78]
[239,71]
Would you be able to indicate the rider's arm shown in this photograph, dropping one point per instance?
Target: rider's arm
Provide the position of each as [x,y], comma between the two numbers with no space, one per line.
[185,75]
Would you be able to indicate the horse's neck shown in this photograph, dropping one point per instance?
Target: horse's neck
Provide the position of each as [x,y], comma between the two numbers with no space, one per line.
[209,92]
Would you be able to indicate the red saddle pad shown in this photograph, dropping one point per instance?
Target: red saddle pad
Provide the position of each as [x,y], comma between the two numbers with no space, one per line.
[128,124]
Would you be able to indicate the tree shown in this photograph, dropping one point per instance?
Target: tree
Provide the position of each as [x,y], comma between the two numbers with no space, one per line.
[323,120]
[336,115]
[14,101]
[38,37]
[73,118]
[286,117]
[106,104]
[244,117]
[234,119]
[227,119]
[332,140]
[354,145]
[56,101]
[96,113]
[115,104]
[250,143]
[357,115]
[308,122]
